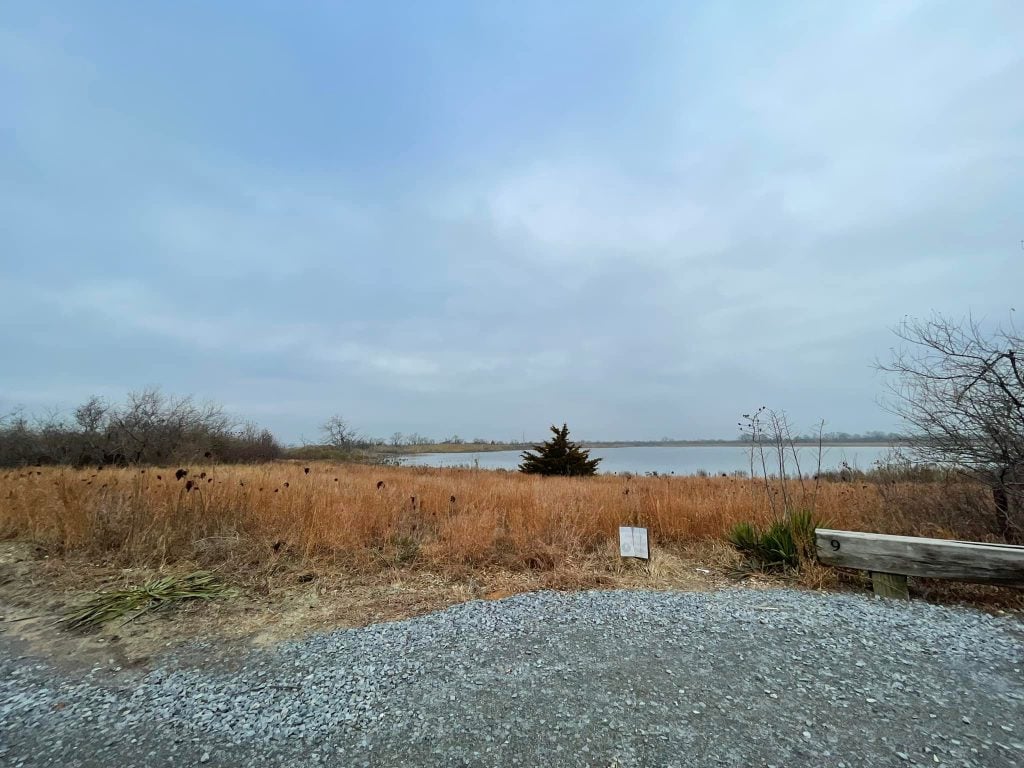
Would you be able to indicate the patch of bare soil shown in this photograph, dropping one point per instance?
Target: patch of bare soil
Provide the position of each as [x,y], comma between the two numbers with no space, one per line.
[35,590]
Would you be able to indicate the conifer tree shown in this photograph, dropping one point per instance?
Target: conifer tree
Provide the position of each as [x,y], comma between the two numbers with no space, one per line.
[559,456]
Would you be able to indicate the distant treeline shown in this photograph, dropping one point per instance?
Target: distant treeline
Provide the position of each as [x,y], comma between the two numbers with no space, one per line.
[838,437]
[148,428]
[483,446]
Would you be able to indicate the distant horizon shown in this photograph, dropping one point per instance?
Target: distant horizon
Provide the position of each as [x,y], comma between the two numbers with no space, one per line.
[469,447]
[625,442]
[66,413]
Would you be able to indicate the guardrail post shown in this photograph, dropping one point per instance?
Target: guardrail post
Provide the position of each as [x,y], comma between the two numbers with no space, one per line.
[890,585]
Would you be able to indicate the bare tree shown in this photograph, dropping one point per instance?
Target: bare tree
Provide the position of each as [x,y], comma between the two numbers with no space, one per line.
[339,434]
[91,415]
[960,388]
[397,438]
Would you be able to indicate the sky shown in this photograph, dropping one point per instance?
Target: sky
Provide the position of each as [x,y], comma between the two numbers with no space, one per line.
[643,219]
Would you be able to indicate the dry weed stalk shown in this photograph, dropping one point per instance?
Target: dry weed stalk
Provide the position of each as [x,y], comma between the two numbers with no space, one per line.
[362,516]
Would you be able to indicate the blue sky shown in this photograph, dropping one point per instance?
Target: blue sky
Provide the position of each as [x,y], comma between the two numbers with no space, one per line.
[481,218]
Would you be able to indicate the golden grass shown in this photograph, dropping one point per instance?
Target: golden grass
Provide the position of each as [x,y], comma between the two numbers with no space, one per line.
[364,516]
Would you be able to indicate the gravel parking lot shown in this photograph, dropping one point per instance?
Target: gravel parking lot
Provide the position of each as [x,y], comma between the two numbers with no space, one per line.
[729,678]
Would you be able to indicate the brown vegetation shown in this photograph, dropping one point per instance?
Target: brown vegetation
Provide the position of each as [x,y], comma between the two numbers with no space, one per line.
[344,545]
[245,517]
[148,428]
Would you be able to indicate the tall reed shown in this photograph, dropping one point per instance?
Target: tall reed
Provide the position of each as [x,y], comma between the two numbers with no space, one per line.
[363,516]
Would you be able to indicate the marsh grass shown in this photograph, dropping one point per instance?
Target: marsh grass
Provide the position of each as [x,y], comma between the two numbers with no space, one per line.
[248,520]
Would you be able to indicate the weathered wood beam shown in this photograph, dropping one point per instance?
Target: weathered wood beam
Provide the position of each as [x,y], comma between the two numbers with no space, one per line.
[890,585]
[913,556]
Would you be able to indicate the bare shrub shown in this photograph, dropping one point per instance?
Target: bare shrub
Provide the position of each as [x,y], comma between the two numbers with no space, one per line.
[960,389]
[148,428]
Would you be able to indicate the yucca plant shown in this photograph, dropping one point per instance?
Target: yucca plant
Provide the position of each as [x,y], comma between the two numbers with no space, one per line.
[778,547]
[786,543]
[154,595]
[802,523]
[746,538]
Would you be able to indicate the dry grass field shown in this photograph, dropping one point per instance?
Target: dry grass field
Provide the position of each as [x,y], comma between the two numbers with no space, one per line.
[345,545]
[244,517]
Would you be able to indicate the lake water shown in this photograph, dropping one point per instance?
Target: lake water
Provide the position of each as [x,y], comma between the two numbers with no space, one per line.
[684,460]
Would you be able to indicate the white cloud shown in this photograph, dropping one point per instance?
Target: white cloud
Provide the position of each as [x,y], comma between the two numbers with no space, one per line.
[585,212]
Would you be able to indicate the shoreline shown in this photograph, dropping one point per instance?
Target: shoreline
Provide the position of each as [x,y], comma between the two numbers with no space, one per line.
[499,447]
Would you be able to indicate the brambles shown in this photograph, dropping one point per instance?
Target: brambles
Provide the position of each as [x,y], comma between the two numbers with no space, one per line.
[148,428]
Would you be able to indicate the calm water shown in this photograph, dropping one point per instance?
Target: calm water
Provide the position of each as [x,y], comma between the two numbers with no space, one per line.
[687,460]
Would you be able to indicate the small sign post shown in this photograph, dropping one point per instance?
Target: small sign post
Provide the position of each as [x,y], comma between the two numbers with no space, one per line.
[633,542]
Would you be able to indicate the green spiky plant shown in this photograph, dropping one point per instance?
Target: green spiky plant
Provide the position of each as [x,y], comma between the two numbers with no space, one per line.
[778,545]
[746,538]
[785,543]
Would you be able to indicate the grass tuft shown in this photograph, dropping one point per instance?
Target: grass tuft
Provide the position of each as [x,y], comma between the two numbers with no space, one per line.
[785,543]
[157,594]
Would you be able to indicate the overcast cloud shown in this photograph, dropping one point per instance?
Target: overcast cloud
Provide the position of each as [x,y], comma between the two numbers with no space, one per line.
[481,218]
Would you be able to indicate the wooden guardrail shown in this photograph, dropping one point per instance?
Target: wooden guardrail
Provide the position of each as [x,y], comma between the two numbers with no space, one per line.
[890,559]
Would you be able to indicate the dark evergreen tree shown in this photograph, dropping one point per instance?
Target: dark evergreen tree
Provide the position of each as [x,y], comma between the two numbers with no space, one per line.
[559,456]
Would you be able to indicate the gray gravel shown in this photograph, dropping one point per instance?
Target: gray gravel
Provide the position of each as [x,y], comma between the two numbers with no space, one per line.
[733,678]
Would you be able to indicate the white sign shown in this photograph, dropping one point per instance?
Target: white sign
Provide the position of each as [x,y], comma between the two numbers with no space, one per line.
[633,542]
